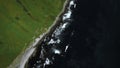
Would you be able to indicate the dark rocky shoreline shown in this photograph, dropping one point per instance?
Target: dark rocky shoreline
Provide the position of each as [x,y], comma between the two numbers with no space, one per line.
[86,35]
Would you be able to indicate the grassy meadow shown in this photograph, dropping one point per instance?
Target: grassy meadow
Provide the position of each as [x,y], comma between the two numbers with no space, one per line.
[21,21]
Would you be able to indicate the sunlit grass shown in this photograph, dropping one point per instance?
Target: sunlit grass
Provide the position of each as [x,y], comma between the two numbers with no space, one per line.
[17,28]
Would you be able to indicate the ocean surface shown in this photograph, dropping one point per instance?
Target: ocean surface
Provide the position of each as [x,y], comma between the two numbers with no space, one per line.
[87,36]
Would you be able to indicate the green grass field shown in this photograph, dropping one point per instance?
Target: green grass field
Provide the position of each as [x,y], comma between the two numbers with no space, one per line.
[21,21]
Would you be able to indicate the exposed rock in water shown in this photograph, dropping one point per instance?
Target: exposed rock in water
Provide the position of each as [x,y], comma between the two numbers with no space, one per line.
[85,35]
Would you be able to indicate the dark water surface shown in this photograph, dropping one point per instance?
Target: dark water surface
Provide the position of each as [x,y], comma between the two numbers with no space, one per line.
[87,37]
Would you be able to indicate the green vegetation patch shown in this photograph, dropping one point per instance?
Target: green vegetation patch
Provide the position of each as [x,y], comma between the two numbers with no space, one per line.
[21,21]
